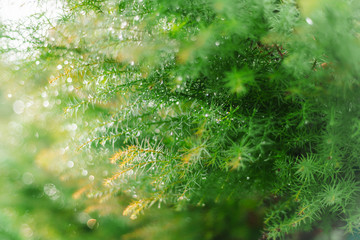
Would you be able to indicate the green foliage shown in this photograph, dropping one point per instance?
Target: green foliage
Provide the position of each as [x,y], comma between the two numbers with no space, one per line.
[242,110]
[307,168]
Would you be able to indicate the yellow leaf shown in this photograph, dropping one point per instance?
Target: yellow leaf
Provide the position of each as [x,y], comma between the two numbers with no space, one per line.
[309,6]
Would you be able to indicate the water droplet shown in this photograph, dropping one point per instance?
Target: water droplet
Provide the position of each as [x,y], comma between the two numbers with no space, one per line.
[206,115]
[46,103]
[91,178]
[18,107]
[136,18]
[59,67]
[70,164]
[37,62]
[9,95]
[123,24]
[69,79]
[84,172]
[50,189]
[217,43]
[309,21]
[27,178]
[247,178]
[91,223]
[71,88]
[73,127]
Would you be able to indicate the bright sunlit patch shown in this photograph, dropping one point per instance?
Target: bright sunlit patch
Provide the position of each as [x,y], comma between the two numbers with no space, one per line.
[18,107]
[17,14]
[14,10]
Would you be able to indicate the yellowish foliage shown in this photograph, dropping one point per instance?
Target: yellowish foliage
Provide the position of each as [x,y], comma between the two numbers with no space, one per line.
[309,6]
[237,163]
[81,191]
[134,209]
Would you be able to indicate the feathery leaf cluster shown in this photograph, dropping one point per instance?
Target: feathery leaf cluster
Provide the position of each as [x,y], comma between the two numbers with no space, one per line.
[200,104]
